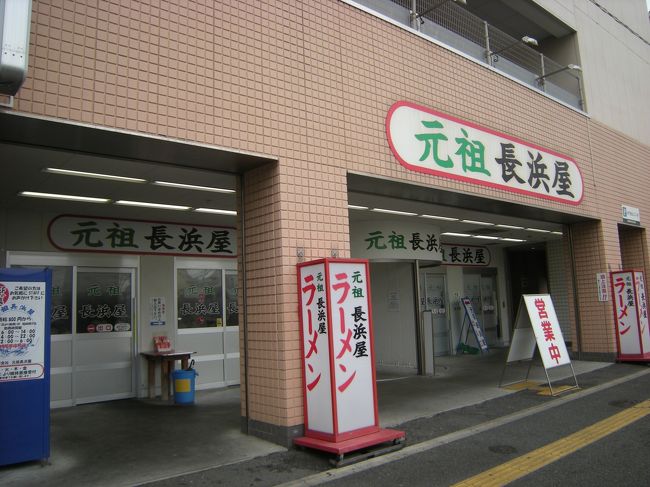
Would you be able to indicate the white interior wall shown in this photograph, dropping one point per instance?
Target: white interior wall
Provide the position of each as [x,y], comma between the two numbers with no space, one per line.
[498,261]
[156,280]
[557,283]
[393,313]
[26,230]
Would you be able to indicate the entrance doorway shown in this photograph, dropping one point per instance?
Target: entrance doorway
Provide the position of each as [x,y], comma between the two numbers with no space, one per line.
[103,347]
[207,318]
[93,325]
[631,240]
[481,288]
[434,306]
[527,270]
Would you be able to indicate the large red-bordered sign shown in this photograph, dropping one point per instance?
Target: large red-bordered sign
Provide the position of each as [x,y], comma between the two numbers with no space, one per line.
[432,142]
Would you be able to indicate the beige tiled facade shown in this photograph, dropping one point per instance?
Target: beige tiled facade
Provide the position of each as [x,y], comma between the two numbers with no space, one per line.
[311,84]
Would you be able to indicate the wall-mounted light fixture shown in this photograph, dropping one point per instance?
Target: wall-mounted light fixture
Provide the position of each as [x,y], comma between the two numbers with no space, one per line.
[572,67]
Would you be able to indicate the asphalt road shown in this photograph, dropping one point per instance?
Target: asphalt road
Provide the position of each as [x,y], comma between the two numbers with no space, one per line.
[451,447]
[620,458]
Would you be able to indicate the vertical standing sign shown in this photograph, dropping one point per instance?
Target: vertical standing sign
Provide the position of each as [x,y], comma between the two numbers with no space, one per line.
[470,315]
[630,315]
[340,395]
[24,365]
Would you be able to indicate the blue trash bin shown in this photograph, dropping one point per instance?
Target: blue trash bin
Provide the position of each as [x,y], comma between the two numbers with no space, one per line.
[183,381]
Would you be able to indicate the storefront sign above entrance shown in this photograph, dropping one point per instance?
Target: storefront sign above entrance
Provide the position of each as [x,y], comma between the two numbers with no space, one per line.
[431,142]
[395,240]
[466,255]
[99,234]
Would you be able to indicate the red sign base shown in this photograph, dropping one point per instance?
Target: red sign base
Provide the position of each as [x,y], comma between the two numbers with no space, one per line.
[353,444]
[637,357]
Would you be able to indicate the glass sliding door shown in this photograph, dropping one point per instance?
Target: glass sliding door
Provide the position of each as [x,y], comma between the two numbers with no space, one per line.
[207,317]
[104,347]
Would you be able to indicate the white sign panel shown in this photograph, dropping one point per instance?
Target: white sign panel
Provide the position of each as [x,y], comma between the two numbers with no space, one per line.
[98,234]
[158,311]
[473,319]
[547,330]
[631,215]
[431,142]
[352,349]
[522,346]
[625,315]
[396,240]
[22,330]
[316,347]
[465,255]
[644,331]
[603,292]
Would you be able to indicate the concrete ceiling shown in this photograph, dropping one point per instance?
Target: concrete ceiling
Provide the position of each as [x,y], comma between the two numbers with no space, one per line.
[519,18]
[372,193]
[23,170]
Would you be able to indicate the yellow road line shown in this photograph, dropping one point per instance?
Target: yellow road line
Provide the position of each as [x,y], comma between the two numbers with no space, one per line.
[534,460]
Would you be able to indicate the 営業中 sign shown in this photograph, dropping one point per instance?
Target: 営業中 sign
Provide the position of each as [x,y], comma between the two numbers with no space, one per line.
[546,327]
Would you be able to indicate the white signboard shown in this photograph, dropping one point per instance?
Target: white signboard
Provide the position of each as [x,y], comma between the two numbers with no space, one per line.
[158,311]
[352,346]
[431,142]
[625,315]
[316,356]
[465,255]
[98,234]
[473,319]
[631,215]
[546,327]
[22,330]
[603,292]
[396,240]
[522,346]
[644,331]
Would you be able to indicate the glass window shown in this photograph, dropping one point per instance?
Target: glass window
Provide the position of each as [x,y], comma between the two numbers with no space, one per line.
[103,301]
[61,315]
[200,298]
[232,310]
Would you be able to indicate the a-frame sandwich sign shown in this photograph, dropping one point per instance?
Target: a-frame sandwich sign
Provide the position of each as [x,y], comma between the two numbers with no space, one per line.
[537,325]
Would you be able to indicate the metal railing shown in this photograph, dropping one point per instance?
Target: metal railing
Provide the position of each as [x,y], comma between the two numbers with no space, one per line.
[456,27]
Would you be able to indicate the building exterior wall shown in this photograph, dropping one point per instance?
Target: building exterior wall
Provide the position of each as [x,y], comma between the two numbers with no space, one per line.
[607,46]
[311,83]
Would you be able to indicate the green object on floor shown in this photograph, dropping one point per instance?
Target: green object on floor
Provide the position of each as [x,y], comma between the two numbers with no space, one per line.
[462,348]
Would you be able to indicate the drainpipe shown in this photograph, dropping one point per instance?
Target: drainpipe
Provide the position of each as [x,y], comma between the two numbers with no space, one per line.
[244,314]
[576,299]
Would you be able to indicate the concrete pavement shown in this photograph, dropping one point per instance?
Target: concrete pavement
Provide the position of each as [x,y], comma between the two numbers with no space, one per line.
[131,442]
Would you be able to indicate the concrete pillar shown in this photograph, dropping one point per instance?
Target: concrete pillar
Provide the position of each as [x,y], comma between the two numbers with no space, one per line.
[593,251]
[292,211]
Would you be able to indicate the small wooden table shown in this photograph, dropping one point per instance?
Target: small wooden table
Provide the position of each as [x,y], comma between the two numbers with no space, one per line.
[167,361]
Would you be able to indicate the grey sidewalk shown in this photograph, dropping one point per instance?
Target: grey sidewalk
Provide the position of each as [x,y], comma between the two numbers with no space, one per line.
[132,442]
